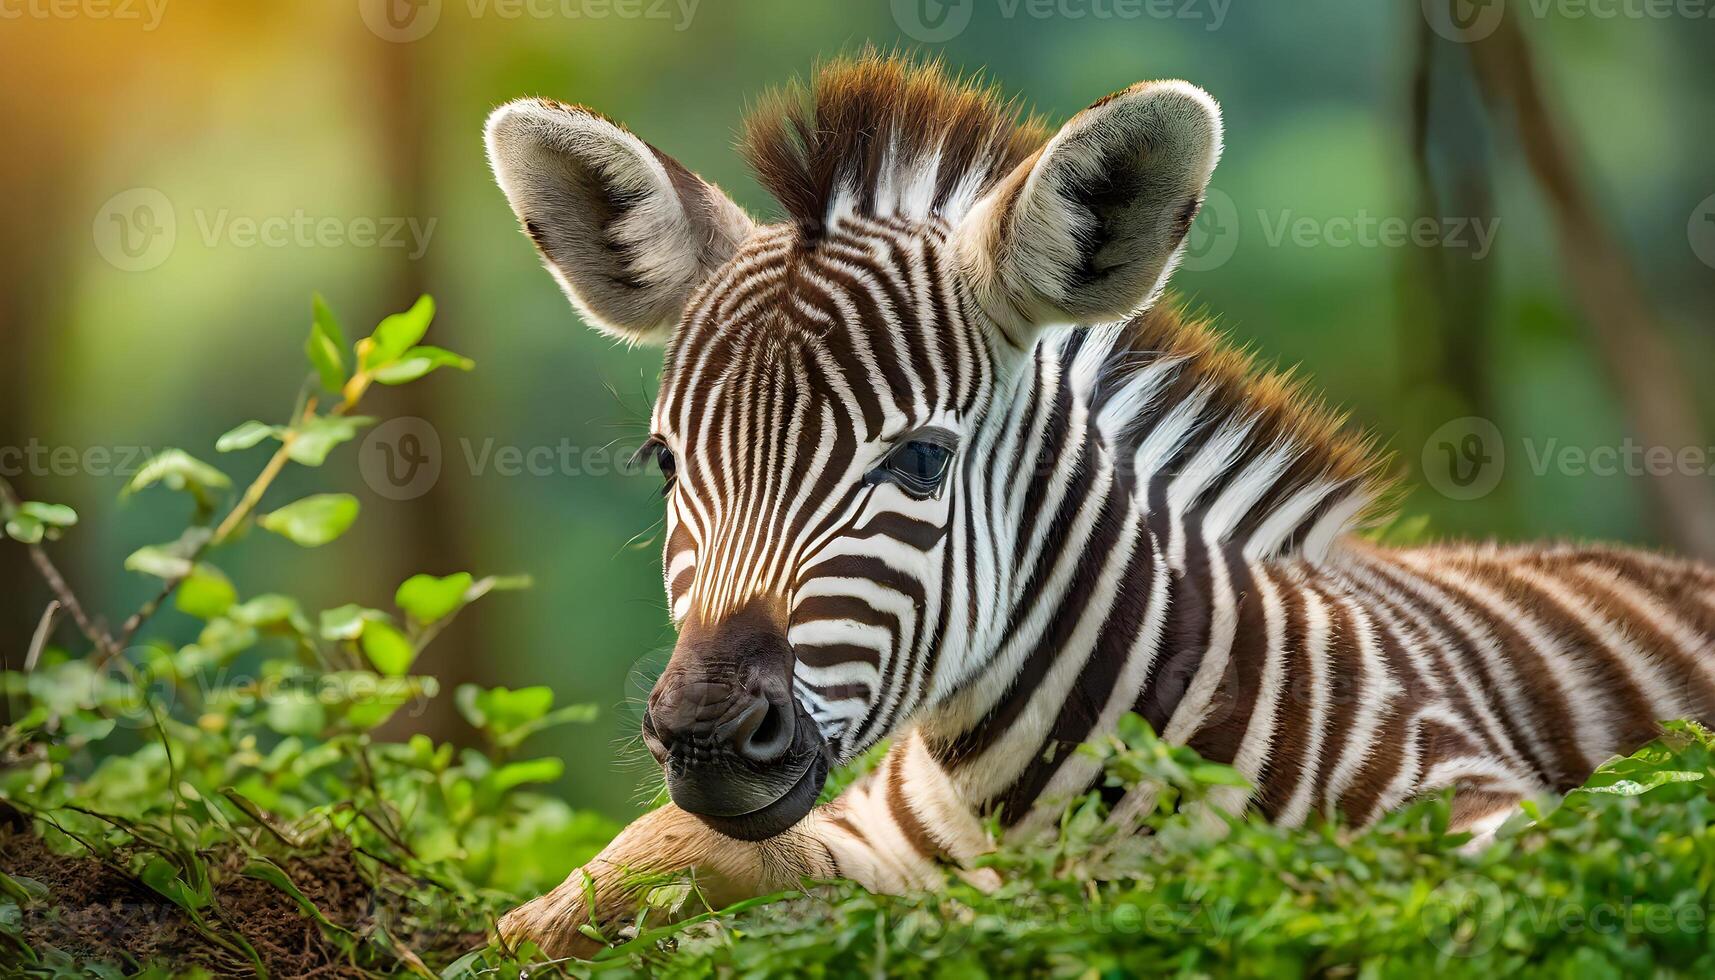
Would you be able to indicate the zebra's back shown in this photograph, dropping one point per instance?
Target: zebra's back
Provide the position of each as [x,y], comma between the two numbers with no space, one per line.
[1384,674]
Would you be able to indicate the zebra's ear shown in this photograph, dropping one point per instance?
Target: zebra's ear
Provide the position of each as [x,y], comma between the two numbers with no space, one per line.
[626,230]
[1089,228]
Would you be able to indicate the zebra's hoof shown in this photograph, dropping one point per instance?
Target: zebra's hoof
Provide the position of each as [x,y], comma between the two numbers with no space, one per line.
[554,923]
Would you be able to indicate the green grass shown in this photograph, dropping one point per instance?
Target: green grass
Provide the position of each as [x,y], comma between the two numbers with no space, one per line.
[1616,881]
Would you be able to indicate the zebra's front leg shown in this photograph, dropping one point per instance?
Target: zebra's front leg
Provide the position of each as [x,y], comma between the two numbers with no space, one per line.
[608,891]
[892,832]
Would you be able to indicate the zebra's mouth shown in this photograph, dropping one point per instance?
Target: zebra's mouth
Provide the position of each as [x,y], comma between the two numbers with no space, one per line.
[777,817]
[746,801]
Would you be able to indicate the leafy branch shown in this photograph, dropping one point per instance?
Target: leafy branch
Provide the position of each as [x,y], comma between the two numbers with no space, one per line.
[391,355]
[269,768]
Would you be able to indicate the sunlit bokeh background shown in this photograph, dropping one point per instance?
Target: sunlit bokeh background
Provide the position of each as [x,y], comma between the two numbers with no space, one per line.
[126,120]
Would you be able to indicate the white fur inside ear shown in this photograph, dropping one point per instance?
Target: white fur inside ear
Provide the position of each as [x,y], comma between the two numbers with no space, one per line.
[626,240]
[1090,228]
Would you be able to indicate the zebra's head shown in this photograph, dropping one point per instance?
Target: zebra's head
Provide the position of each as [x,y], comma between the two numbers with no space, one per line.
[835,397]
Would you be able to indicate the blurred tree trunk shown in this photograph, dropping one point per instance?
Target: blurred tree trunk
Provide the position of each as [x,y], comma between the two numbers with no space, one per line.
[435,533]
[1450,339]
[33,238]
[1639,357]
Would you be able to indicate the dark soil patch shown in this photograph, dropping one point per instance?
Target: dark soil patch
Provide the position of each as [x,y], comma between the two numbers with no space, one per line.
[95,911]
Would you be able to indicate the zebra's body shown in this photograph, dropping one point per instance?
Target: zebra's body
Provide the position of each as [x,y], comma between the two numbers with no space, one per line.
[906,499]
[1244,622]
[1359,693]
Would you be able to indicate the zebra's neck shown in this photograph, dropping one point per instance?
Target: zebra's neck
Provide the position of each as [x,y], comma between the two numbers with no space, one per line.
[1214,446]
[1132,473]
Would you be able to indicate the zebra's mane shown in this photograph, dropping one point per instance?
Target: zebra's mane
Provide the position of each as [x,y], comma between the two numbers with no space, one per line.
[881,136]
[1288,474]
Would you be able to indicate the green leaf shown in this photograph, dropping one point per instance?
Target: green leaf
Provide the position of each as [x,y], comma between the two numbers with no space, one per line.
[419,361]
[387,648]
[33,521]
[206,593]
[571,714]
[498,583]
[326,345]
[24,891]
[266,870]
[500,711]
[53,515]
[296,713]
[399,333]
[470,964]
[347,621]
[161,875]
[160,561]
[1211,774]
[314,520]
[224,638]
[532,771]
[169,561]
[24,528]
[427,599]
[176,469]
[468,698]
[364,700]
[270,610]
[1638,787]
[247,434]
[314,439]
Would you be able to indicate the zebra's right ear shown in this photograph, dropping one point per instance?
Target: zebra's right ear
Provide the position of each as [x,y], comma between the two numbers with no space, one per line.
[1089,227]
[626,230]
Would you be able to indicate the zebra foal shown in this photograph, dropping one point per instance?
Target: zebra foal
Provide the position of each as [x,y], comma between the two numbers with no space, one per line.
[939,467]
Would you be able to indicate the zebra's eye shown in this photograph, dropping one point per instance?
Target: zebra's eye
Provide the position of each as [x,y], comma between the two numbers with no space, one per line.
[918,467]
[669,467]
[663,456]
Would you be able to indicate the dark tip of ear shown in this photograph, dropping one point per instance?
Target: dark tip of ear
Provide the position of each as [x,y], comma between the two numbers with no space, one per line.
[535,232]
[1188,214]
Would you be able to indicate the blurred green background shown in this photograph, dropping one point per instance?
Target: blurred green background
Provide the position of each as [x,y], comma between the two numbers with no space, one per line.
[125,119]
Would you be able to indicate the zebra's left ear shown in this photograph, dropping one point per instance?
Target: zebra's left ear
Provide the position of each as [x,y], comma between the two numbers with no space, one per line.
[1088,228]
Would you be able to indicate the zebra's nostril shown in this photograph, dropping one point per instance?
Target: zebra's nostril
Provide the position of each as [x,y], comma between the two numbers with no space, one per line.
[697,722]
[764,733]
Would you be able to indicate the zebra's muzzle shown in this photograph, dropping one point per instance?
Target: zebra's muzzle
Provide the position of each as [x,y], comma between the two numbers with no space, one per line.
[737,791]
[739,750]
